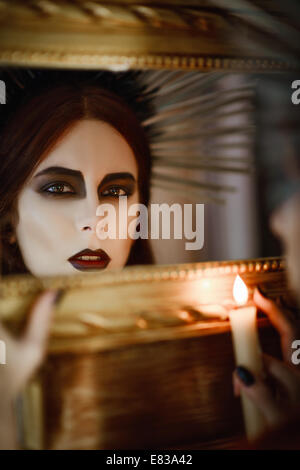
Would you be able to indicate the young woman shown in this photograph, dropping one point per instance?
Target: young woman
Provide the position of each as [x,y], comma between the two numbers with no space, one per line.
[71,144]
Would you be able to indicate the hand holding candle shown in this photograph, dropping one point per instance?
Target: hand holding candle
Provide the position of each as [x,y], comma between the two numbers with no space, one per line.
[247,352]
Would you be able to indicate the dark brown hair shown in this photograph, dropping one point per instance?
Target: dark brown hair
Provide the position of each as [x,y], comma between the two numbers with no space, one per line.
[37,125]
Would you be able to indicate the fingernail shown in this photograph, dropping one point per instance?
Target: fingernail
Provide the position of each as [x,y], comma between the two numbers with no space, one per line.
[245,375]
[58,296]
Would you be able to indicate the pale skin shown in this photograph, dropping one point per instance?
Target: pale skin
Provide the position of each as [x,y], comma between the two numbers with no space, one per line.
[96,165]
[92,164]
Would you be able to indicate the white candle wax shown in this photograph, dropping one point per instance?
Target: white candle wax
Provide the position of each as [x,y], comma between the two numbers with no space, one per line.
[248,354]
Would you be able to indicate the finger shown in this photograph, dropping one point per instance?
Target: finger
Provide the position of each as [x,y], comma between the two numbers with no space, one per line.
[279,320]
[37,328]
[32,347]
[260,394]
[275,314]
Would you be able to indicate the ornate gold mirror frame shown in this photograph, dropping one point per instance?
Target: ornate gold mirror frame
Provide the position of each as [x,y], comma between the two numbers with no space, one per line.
[119,34]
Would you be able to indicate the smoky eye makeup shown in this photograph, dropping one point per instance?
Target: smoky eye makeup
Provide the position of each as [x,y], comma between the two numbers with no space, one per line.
[117,190]
[115,185]
[58,188]
[59,182]
[63,183]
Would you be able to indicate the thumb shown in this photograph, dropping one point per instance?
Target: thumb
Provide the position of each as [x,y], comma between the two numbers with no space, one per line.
[37,329]
[256,389]
[279,320]
[33,343]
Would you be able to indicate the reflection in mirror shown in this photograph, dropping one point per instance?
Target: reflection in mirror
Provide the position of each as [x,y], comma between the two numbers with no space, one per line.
[179,144]
[106,169]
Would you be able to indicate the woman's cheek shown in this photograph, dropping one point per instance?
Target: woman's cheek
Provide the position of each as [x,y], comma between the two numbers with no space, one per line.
[47,235]
[43,234]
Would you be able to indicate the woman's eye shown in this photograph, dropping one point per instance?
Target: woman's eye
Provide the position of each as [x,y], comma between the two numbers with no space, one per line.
[115,192]
[59,188]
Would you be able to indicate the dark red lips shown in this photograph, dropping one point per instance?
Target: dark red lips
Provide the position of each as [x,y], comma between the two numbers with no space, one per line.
[89,260]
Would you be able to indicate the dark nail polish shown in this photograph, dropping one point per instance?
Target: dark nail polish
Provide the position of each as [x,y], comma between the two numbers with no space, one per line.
[58,297]
[245,375]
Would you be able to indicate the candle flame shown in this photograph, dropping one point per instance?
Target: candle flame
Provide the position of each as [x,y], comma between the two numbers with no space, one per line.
[240,291]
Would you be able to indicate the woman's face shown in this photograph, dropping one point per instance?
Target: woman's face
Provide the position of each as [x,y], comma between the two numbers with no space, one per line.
[285,223]
[91,165]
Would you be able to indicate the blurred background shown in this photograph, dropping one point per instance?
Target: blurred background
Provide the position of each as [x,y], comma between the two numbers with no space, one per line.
[237,226]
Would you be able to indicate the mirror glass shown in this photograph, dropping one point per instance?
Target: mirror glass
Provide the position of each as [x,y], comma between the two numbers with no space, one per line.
[185,146]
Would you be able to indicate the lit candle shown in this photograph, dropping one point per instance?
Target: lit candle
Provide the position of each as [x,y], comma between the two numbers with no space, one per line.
[247,352]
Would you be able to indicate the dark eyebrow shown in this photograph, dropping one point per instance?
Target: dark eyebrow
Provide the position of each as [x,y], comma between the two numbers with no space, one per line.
[61,170]
[67,171]
[114,176]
